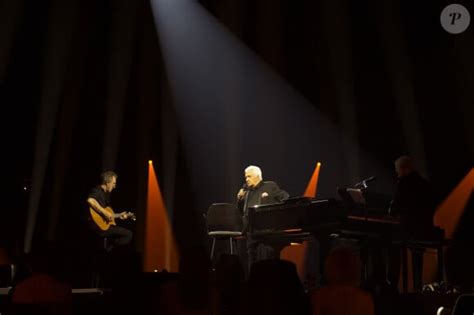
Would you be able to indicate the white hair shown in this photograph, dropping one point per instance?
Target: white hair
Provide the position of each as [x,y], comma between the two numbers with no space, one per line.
[254,169]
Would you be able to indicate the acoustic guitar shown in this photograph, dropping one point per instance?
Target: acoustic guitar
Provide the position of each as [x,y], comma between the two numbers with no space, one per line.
[103,223]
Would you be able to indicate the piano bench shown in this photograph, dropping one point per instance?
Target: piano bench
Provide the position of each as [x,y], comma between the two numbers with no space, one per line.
[438,245]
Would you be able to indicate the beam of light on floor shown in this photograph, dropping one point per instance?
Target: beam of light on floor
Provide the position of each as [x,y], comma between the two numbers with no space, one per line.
[160,246]
[234,110]
[303,255]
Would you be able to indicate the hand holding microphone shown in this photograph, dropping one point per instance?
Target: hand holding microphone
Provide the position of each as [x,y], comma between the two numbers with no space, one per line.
[242,191]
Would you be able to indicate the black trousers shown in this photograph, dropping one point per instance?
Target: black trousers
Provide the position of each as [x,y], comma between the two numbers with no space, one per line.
[119,236]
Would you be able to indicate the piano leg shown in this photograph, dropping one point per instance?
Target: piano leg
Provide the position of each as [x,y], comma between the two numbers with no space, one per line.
[251,252]
[440,255]
[364,257]
[405,268]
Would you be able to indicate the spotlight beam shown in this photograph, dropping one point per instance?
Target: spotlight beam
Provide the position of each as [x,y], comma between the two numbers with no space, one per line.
[234,110]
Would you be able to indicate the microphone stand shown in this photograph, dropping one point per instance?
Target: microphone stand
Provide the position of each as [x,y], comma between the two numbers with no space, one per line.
[246,212]
[365,252]
[363,186]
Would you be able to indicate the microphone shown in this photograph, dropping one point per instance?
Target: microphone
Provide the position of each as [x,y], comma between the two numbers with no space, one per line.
[363,183]
[245,189]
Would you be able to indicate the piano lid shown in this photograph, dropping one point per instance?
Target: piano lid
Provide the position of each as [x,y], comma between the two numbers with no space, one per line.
[292,203]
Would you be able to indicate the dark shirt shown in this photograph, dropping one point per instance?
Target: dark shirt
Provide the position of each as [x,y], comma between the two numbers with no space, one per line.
[121,236]
[102,197]
[414,202]
[254,195]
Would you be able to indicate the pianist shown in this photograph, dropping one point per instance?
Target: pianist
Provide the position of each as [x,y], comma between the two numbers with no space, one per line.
[414,203]
[255,192]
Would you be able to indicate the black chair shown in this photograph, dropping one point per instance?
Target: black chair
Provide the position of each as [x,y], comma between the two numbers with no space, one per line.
[223,221]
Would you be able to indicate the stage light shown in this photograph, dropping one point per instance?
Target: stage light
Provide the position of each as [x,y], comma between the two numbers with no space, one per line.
[312,186]
[160,250]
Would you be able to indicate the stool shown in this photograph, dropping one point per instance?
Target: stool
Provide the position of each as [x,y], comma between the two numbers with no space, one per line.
[438,245]
[223,221]
[103,259]
[231,235]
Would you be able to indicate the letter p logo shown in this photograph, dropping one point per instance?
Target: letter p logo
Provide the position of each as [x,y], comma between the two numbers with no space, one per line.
[455,18]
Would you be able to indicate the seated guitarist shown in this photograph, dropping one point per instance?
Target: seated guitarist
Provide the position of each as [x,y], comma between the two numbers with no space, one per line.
[99,200]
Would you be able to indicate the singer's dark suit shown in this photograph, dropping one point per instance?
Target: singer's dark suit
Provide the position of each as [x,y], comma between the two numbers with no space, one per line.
[253,196]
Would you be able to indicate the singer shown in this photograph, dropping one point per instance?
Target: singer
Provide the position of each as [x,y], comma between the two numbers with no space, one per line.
[256,191]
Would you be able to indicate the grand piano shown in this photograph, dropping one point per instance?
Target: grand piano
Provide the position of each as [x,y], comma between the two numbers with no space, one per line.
[302,216]
[293,221]
[298,219]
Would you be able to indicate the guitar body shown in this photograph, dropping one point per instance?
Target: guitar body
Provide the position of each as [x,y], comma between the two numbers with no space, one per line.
[100,221]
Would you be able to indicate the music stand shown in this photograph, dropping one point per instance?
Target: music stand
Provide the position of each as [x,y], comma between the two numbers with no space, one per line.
[354,197]
[357,196]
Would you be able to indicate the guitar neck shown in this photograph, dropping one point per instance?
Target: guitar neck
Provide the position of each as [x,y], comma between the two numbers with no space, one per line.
[127,214]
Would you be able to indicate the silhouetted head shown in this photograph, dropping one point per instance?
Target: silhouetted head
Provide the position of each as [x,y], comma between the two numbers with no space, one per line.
[229,271]
[343,267]
[275,288]
[194,274]
[404,165]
